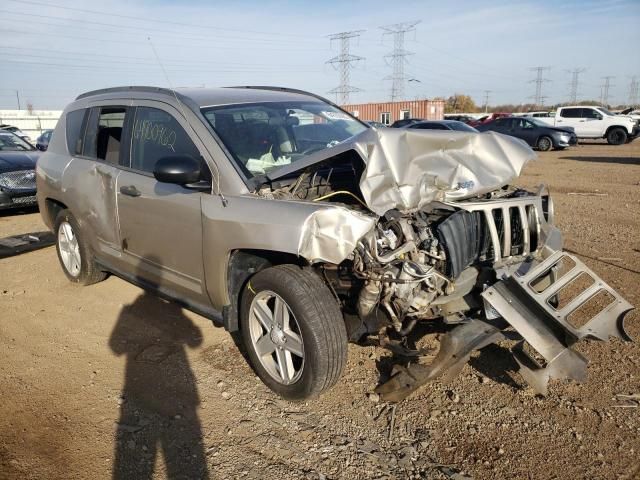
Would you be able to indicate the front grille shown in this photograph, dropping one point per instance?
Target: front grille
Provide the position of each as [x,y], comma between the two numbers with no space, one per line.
[510,227]
[18,179]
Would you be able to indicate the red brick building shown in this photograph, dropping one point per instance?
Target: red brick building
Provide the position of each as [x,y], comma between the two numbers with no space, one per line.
[389,112]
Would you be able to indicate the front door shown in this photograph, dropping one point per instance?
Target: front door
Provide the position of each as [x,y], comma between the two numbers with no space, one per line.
[160,223]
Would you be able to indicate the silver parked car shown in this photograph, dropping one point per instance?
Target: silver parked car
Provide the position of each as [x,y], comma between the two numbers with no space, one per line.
[278,215]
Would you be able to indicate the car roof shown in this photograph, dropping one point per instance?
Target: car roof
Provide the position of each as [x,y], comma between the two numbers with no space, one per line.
[206,97]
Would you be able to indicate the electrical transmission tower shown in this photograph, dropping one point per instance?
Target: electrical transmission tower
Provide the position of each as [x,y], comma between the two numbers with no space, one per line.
[486,100]
[538,97]
[633,91]
[344,63]
[604,92]
[398,56]
[573,86]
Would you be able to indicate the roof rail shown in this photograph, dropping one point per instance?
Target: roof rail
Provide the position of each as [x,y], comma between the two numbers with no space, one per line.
[102,91]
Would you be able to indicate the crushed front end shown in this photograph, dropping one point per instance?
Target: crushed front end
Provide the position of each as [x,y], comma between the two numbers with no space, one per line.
[494,264]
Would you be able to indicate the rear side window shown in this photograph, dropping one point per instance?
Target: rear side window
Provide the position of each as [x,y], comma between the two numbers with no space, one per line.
[75,123]
[571,112]
[157,134]
[104,134]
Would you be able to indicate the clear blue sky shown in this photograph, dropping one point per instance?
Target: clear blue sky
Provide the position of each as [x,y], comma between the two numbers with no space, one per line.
[52,50]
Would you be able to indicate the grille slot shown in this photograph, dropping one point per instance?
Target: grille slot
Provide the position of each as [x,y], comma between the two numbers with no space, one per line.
[510,226]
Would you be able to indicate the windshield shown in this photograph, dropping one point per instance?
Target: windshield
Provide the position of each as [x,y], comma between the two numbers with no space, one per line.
[605,111]
[11,142]
[264,136]
[461,127]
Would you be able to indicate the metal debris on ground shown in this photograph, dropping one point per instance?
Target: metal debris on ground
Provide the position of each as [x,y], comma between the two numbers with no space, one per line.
[631,401]
[17,244]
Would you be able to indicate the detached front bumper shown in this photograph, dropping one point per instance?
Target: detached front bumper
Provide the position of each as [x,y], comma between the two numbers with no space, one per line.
[553,304]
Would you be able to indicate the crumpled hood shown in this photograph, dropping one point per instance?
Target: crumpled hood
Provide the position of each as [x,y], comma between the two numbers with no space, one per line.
[407,169]
[11,161]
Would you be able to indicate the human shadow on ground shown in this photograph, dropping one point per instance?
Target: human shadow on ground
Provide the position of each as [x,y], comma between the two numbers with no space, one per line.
[158,405]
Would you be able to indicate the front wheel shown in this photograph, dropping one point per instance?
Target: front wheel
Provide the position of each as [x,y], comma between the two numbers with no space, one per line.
[293,331]
[544,144]
[617,136]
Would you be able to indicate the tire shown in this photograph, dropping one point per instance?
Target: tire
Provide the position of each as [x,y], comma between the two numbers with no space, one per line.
[544,144]
[617,136]
[313,346]
[75,256]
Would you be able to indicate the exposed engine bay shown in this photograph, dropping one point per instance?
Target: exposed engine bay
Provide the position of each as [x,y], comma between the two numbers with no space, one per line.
[485,260]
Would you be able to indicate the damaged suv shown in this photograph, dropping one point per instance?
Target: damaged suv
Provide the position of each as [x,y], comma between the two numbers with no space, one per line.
[278,215]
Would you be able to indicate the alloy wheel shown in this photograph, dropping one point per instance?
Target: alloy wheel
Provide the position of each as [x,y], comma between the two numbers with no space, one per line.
[69,249]
[276,337]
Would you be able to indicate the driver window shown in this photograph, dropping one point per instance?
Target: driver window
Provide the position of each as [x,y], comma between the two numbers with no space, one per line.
[526,124]
[157,134]
[589,113]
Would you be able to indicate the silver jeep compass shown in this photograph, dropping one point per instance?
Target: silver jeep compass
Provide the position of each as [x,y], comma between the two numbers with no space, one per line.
[279,216]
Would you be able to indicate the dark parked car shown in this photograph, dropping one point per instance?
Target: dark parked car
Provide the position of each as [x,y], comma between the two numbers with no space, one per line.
[404,122]
[442,125]
[17,171]
[533,131]
[42,142]
[16,130]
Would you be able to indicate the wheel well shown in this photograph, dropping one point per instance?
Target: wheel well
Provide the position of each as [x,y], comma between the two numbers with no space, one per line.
[615,126]
[243,264]
[54,207]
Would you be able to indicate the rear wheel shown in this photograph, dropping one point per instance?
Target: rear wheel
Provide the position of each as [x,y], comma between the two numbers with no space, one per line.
[74,254]
[617,136]
[544,144]
[293,331]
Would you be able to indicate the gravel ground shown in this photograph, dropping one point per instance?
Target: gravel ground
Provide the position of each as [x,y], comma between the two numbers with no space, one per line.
[107,381]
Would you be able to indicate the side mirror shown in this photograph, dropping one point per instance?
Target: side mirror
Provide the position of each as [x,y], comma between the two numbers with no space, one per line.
[178,169]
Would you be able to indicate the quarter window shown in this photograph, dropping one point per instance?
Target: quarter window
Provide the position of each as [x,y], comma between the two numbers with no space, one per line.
[157,134]
[75,122]
[385,118]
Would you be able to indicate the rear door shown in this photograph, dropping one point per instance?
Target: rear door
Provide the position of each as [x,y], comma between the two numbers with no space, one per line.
[90,178]
[161,223]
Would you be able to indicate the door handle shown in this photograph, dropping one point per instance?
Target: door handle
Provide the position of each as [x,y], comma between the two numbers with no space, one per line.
[130,190]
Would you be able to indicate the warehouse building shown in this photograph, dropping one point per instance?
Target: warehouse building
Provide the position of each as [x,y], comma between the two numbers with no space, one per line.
[389,112]
[30,122]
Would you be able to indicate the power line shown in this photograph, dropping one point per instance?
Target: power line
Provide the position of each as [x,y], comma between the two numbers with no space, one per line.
[538,97]
[633,91]
[344,63]
[152,20]
[604,90]
[486,100]
[398,56]
[573,86]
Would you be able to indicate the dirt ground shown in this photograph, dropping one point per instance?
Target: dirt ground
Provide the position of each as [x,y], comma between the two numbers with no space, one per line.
[107,381]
